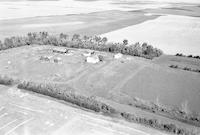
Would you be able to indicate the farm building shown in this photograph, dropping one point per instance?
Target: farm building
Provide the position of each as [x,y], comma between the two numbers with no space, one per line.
[60,50]
[118,55]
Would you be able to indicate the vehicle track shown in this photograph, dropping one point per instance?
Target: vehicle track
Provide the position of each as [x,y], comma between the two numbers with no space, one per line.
[88,71]
[120,85]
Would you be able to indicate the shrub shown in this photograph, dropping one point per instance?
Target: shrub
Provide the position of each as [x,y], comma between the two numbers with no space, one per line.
[2,47]
[190,56]
[125,42]
[101,58]
[197,57]
[5,80]
[196,70]
[179,114]
[172,128]
[186,68]
[179,54]
[173,66]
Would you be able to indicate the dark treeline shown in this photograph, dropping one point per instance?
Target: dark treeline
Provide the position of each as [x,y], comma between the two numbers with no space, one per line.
[68,95]
[189,56]
[185,68]
[5,80]
[177,113]
[86,42]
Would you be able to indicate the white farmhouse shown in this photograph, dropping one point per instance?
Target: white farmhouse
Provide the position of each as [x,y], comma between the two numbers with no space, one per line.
[93,59]
[118,56]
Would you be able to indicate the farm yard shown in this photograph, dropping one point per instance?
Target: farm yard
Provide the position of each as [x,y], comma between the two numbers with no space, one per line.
[104,78]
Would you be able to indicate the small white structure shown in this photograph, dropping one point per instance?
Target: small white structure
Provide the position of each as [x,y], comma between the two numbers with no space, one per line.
[60,50]
[93,59]
[148,14]
[118,56]
[9,62]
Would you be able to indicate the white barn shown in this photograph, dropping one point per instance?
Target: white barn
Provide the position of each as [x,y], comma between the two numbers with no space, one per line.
[93,59]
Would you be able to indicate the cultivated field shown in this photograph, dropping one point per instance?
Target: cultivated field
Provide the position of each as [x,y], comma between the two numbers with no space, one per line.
[171,33]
